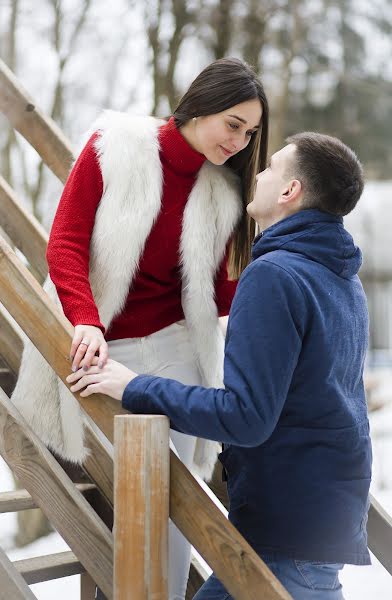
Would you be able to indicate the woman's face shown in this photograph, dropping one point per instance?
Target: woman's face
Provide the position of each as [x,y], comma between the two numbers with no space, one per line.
[224,134]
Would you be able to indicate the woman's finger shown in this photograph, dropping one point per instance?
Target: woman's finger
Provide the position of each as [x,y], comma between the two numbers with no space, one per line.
[80,353]
[103,355]
[88,357]
[77,338]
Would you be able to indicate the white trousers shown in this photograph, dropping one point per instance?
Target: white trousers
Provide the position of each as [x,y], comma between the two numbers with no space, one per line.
[167,353]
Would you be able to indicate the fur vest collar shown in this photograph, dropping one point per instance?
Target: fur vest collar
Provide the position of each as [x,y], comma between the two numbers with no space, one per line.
[128,153]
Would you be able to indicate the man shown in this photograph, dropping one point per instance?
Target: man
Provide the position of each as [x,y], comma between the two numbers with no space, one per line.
[292,415]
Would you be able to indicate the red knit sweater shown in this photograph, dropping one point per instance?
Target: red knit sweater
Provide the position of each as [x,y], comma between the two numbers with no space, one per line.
[154,300]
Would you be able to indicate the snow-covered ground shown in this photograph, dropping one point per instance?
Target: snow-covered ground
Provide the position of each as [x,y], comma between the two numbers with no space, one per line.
[360,583]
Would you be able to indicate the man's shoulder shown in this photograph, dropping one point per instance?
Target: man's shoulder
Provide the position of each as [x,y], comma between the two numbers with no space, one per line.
[273,270]
[274,263]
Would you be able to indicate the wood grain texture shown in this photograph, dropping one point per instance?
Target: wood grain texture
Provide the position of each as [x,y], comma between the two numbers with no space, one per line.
[40,131]
[12,584]
[56,495]
[52,566]
[141,507]
[11,344]
[24,230]
[17,500]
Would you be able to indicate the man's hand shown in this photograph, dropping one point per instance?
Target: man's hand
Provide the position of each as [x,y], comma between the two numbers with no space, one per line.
[111,380]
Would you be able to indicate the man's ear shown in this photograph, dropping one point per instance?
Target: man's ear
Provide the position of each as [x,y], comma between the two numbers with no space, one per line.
[291,193]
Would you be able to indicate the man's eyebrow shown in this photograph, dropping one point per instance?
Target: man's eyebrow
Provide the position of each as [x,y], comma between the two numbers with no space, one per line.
[242,120]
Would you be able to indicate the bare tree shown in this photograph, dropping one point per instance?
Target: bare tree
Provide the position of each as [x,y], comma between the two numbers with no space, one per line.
[165,53]
[57,109]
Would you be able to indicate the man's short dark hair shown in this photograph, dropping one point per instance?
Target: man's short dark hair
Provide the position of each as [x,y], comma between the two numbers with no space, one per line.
[329,171]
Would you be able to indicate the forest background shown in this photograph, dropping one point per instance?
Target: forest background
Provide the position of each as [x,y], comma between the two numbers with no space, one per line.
[325,65]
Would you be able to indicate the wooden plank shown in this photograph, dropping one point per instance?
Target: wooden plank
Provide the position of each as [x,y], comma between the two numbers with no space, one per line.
[17,500]
[99,465]
[24,230]
[87,587]
[141,507]
[379,529]
[13,586]
[40,131]
[56,495]
[11,344]
[52,566]
[242,572]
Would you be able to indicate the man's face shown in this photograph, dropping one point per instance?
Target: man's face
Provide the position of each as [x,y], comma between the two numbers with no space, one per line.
[273,184]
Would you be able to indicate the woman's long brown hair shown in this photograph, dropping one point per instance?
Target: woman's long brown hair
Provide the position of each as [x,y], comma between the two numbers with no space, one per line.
[223,84]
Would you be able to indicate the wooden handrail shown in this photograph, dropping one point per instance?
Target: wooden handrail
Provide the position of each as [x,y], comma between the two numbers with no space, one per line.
[40,131]
[11,344]
[23,229]
[242,572]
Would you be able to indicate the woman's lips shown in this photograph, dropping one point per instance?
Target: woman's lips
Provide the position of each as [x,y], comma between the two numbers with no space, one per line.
[226,152]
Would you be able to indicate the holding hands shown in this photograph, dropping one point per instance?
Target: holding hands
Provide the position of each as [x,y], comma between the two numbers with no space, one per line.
[111,380]
[86,342]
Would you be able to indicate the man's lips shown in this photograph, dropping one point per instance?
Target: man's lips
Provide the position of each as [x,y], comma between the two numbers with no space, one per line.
[226,152]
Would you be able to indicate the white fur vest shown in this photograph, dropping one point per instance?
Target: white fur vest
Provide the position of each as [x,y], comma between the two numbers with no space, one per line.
[128,153]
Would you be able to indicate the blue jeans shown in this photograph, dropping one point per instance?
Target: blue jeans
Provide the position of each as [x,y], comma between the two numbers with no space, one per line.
[304,580]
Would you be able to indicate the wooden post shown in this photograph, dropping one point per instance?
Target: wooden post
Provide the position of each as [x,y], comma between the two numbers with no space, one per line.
[141,507]
[87,587]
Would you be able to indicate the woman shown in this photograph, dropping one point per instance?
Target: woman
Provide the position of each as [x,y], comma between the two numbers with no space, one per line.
[140,244]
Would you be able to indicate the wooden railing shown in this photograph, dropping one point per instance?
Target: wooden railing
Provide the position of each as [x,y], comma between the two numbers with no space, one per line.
[234,562]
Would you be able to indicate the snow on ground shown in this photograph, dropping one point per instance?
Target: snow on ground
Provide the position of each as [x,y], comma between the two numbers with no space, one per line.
[360,583]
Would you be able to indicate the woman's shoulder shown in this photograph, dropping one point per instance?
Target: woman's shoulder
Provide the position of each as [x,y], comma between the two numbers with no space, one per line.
[126,123]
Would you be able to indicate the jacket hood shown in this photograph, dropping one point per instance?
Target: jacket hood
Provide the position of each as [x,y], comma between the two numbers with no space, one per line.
[319,236]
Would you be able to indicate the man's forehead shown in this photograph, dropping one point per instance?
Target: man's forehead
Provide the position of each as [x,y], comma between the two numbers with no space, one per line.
[284,154]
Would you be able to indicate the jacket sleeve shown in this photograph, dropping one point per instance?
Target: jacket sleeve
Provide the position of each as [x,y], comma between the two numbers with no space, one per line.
[225,288]
[265,331]
[68,251]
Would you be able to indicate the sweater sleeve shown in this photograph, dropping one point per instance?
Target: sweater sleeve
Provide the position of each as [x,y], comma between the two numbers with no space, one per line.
[68,251]
[264,338]
[224,287]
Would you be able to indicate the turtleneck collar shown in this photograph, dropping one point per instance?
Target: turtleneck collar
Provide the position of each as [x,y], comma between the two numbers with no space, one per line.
[176,152]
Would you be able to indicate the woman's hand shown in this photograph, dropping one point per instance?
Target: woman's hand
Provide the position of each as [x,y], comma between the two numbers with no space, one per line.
[86,342]
[111,380]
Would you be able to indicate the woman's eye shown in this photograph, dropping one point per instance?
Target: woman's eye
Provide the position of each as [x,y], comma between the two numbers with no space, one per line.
[250,133]
[233,125]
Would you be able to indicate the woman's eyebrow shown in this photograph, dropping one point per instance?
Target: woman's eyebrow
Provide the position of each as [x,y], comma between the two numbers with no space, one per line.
[242,120]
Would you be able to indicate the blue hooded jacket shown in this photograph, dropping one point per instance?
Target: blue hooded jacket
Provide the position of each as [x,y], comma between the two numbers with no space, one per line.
[292,415]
